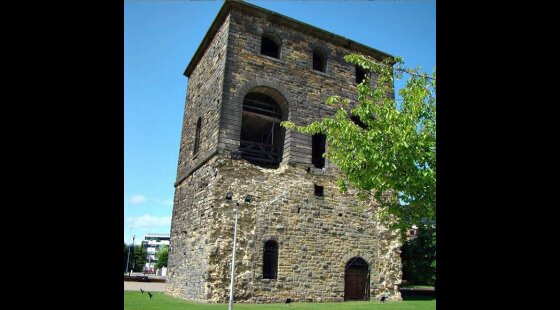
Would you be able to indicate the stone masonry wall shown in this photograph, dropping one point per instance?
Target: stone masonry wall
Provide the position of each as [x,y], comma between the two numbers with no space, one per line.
[204,98]
[190,236]
[188,259]
[292,75]
[317,236]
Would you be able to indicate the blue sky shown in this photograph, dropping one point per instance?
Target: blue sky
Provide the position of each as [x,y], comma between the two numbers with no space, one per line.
[160,38]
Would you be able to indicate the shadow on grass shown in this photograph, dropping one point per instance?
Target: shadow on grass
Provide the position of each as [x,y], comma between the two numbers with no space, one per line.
[418,294]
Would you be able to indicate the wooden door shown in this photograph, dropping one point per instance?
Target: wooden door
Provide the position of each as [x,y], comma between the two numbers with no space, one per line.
[356,280]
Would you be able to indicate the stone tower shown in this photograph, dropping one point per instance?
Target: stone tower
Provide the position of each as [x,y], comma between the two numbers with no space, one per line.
[298,238]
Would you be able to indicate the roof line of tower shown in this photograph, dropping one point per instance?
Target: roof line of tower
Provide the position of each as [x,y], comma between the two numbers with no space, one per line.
[278,19]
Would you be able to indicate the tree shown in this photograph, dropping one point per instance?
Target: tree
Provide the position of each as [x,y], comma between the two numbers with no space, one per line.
[139,258]
[384,148]
[162,257]
[419,257]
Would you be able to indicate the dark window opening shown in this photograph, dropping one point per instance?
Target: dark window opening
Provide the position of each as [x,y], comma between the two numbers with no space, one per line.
[356,119]
[319,190]
[360,74]
[270,260]
[319,142]
[197,136]
[269,48]
[298,209]
[319,63]
[262,138]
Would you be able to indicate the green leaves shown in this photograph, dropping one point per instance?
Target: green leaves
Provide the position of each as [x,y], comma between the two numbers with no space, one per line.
[337,100]
[395,154]
[138,258]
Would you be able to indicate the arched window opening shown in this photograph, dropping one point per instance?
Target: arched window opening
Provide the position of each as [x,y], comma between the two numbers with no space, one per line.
[319,62]
[262,137]
[270,260]
[197,136]
[269,47]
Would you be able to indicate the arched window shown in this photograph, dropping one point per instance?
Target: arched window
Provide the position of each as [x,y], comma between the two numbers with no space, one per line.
[319,62]
[269,47]
[197,136]
[270,260]
[262,138]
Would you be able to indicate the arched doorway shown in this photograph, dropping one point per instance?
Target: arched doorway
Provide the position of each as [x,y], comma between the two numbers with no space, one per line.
[356,279]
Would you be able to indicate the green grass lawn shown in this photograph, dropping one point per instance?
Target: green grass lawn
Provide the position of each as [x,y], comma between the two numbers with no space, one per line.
[137,301]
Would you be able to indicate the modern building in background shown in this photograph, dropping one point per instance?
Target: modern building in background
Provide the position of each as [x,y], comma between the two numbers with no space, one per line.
[299,237]
[412,233]
[152,243]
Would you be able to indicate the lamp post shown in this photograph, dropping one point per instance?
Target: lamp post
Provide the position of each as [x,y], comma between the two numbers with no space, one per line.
[128,256]
[233,258]
[248,198]
[129,271]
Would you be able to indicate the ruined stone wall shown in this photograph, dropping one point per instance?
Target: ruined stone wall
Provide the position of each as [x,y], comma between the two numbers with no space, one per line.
[190,241]
[317,236]
[204,99]
[188,258]
[292,74]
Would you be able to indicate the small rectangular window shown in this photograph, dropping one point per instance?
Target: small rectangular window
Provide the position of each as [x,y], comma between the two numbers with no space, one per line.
[360,74]
[197,137]
[319,63]
[319,142]
[319,190]
[269,47]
